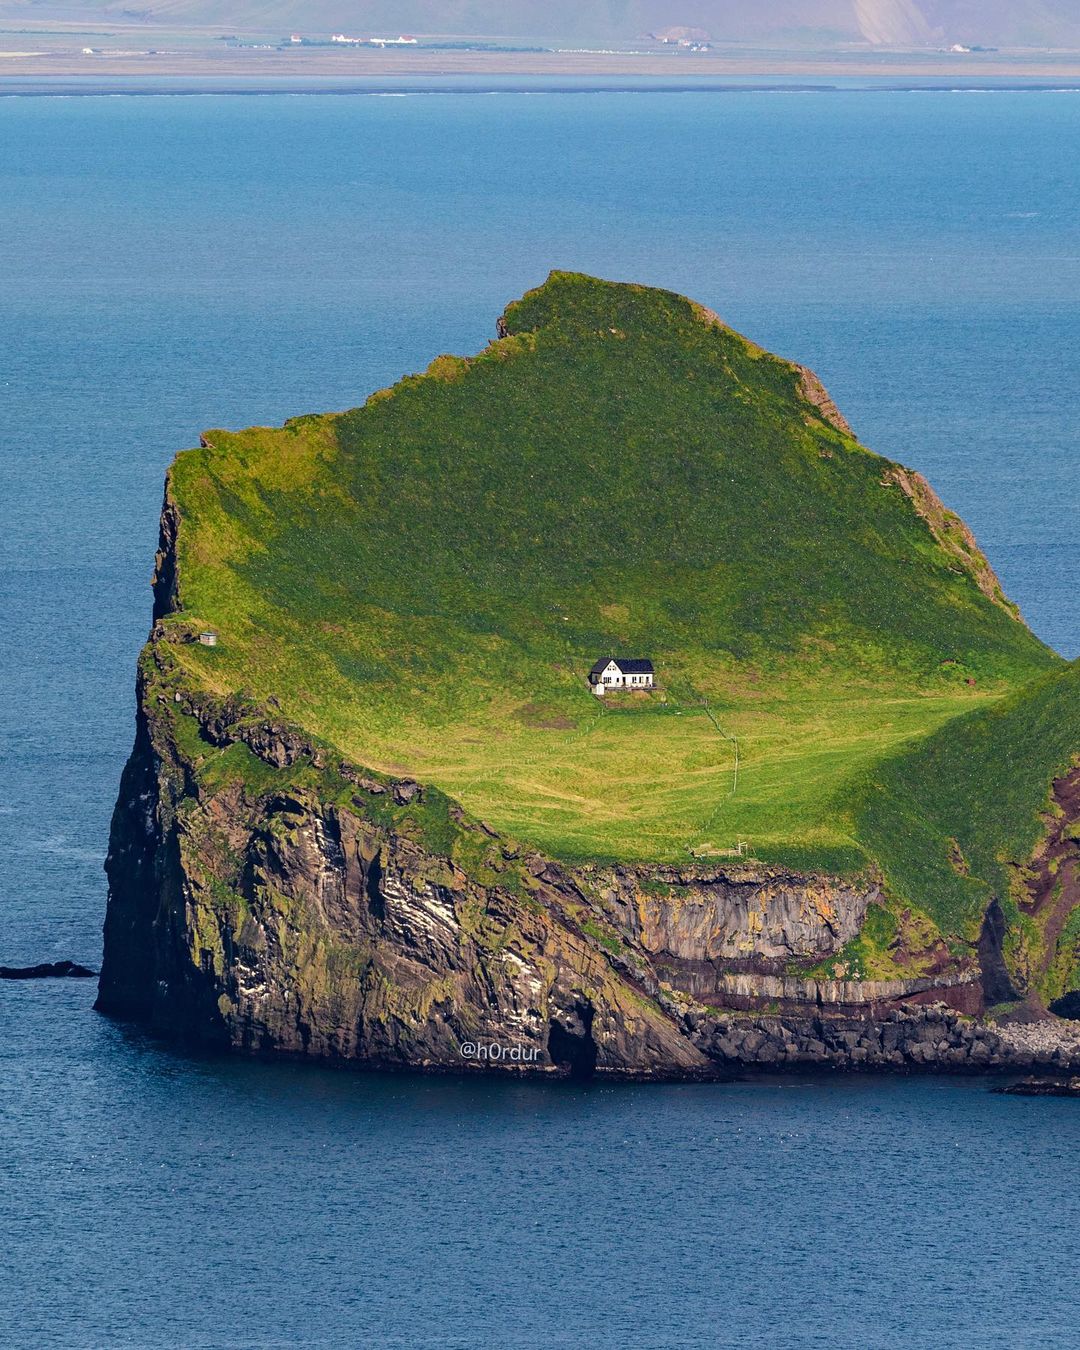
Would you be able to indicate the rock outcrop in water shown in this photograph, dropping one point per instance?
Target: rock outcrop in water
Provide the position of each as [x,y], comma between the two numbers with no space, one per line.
[1044,1087]
[48,970]
[270,894]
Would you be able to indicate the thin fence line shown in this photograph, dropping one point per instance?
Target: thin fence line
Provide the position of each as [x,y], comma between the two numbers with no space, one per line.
[532,761]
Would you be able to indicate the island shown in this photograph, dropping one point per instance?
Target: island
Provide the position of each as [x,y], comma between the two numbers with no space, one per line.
[376,815]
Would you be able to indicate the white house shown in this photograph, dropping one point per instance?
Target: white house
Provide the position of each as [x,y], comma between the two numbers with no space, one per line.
[616,672]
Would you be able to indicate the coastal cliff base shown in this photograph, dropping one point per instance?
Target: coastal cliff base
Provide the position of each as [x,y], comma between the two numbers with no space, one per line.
[269,899]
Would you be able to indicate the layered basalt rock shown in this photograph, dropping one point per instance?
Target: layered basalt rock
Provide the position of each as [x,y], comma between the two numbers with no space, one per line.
[740,912]
[907,1038]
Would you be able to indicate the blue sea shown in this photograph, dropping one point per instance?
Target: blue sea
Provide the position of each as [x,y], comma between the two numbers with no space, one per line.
[176,263]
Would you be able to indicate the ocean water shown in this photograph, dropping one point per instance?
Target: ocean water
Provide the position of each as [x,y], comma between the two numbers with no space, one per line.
[172,264]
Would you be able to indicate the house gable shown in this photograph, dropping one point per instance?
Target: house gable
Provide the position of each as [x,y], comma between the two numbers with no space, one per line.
[605,665]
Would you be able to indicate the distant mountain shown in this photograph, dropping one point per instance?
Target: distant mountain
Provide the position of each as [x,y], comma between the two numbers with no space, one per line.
[786,22]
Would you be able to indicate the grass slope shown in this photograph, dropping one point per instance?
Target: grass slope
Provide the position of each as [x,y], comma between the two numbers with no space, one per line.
[425,581]
[954,818]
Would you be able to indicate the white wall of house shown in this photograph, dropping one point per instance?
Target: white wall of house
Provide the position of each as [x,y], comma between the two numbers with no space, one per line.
[611,677]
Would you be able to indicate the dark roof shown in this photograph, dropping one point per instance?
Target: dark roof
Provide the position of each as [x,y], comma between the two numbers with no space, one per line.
[627,666]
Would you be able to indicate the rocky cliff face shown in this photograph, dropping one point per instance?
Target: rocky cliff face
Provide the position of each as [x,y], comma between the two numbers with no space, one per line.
[271,899]
[309,918]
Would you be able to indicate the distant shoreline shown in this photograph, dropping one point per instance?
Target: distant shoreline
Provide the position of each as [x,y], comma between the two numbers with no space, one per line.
[147,61]
[87,86]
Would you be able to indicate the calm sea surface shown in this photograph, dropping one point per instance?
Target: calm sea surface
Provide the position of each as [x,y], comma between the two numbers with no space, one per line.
[171,264]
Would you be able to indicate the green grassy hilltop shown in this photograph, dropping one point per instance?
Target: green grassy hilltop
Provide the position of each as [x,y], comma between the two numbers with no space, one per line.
[425,581]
